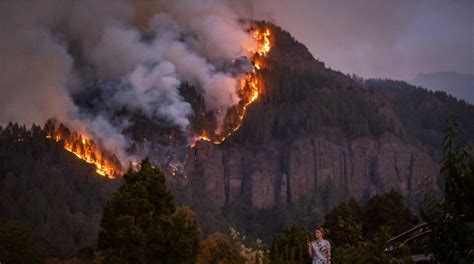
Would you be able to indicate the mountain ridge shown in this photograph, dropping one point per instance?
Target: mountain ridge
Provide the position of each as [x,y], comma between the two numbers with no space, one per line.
[309,101]
[314,134]
[460,85]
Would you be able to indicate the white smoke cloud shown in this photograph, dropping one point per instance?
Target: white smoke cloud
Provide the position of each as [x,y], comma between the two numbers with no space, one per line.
[143,49]
[156,92]
[110,136]
[216,26]
[219,88]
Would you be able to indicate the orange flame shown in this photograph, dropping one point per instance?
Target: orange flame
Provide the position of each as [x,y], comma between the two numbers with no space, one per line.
[85,149]
[263,37]
[203,137]
[250,88]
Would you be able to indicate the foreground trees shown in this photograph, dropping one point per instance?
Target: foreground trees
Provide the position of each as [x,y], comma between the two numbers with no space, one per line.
[289,246]
[142,225]
[16,245]
[451,219]
[357,232]
[218,248]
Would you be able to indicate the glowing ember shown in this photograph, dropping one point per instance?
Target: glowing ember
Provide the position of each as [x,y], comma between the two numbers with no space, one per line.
[175,169]
[86,150]
[201,137]
[249,90]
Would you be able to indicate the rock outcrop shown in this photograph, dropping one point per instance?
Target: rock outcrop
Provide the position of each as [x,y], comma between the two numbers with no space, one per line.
[279,174]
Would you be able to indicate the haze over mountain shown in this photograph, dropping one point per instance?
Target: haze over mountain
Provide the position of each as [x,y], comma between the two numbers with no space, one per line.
[380,39]
[314,137]
[460,85]
[169,80]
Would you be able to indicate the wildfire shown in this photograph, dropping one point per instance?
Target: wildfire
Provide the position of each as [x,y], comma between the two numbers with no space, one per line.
[86,150]
[203,137]
[249,89]
[263,37]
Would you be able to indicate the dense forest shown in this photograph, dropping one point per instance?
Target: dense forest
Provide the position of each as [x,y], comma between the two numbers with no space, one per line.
[301,96]
[141,224]
[423,113]
[51,199]
[47,189]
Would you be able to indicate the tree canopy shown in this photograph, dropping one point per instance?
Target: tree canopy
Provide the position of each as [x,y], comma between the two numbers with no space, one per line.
[218,248]
[359,231]
[289,246]
[451,219]
[142,225]
[16,245]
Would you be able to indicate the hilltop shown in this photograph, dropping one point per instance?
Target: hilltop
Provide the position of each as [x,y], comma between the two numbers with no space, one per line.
[314,137]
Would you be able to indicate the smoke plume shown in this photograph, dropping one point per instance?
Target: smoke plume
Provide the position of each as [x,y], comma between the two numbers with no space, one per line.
[137,53]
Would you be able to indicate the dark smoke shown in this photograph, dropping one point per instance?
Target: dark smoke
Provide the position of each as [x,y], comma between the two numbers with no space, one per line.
[135,54]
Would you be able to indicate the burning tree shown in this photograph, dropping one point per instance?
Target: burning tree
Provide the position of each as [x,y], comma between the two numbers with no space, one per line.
[249,89]
[83,148]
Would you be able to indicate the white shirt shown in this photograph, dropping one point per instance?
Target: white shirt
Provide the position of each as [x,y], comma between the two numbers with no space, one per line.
[320,249]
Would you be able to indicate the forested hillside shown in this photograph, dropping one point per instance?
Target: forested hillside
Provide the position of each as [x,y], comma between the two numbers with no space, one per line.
[424,113]
[459,85]
[301,96]
[48,189]
[313,138]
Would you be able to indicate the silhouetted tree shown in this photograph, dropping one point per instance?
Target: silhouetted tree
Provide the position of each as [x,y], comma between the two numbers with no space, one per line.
[290,246]
[345,223]
[359,232]
[16,246]
[388,210]
[141,224]
[218,248]
[451,220]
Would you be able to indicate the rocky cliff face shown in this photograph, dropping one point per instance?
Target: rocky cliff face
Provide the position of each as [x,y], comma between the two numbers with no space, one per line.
[279,174]
[312,128]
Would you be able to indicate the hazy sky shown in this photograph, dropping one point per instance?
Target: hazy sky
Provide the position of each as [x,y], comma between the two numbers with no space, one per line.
[375,38]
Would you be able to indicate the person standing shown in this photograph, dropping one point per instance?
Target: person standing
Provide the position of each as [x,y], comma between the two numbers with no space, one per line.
[319,249]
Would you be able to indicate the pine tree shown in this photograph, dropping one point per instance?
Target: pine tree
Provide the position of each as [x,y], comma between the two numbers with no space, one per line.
[16,245]
[451,220]
[142,225]
[289,246]
[387,210]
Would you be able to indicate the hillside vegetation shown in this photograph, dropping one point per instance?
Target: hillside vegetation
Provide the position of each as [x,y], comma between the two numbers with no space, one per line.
[301,96]
[46,188]
[424,113]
